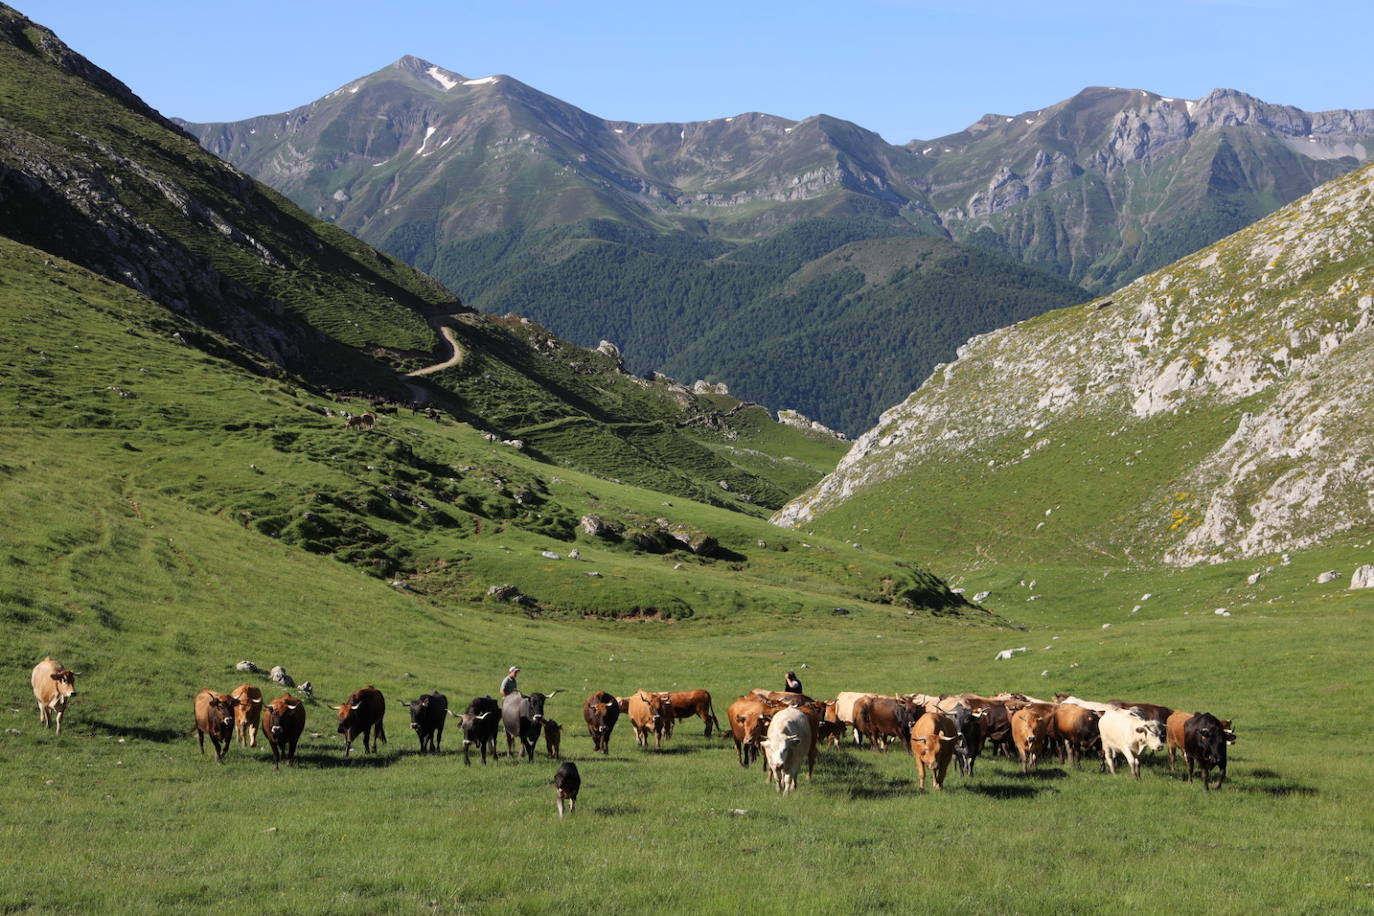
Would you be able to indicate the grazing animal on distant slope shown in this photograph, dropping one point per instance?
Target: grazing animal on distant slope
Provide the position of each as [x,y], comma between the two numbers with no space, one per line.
[1127,732]
[789,736]
[553,738]
[361,421]
[215,717]
[601,712]
[480,725]
[247,713]
[53,686]
[427,717]
[283,720]
[567,782]
[362,714]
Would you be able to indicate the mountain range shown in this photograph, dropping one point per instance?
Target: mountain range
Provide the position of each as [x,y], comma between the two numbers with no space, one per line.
[632,232]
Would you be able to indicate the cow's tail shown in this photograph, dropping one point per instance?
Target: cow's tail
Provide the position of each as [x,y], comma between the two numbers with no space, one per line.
[711,717]
[379,733]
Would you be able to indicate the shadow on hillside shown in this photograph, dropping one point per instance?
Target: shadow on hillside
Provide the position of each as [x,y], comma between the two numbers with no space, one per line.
[853,777]
[143,733]
[329,761]
[1279,790]
[619,809]
[1041,774]
[1006,791]
[676,749]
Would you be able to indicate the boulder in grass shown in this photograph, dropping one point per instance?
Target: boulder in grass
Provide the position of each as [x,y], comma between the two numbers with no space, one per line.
[1363,577]
[1330,575]
[280,676]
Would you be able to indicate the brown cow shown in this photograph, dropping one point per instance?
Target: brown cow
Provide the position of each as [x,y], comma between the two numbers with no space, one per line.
[844,707]
[247,713]
[362,714]
[1032,728]
[650,712]
[932,744]
[1076,729]
[361,421]
[283,720]
[553,737]
[215,717]
[53,686]
[1173,728]
[601,711]
[688,703]
[881,718]
[1150,712]
[749,717]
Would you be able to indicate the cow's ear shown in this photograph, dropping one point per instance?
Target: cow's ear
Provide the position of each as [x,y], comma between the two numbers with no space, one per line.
[57,675]
[1140,730]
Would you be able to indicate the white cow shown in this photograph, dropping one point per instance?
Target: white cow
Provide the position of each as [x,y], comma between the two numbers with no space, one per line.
[1127,732]
[1098,708]
[787,744]
[53,687]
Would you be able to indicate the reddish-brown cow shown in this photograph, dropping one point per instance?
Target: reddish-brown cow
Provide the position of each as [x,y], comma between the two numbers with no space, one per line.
[283,720]
[932,744]
[215,717]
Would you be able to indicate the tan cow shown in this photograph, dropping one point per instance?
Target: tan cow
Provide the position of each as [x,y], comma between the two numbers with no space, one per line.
[748,718]
[789,736]
[53,686]
[247,714]
[932,744]
[215,717]
[1032,728]
[650,712]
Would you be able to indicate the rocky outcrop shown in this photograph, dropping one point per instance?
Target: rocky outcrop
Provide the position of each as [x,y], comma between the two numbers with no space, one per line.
[799,420]
[1276,318]
[1363,577]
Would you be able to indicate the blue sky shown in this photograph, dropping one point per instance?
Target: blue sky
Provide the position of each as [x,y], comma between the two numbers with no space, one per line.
[905,68]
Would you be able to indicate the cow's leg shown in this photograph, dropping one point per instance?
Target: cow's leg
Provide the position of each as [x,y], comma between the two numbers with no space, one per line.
[1134,761]
[200,735]
[42,714]
[1189,761]
[275,756]
[560,803]
[1109,760]
[57,720]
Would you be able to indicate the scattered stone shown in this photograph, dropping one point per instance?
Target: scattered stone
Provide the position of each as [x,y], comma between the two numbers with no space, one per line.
[1031,585]
[839,611]
[13,731]
[739,811]
[549,555]
[280,676]
[1363,577]
[1253,578]
[724,485]
[503,592]
[248,666]
[761,544]
[980,596]
[594,574]
[957,591]
[701,386]
[1330,575]
[1145,597]
[1045,673]
[517,444]
[1106,626]
[1285,559]
[607,348]
[595,526]
[1134,609]
[1008,653]
[574,554]
[1222,612]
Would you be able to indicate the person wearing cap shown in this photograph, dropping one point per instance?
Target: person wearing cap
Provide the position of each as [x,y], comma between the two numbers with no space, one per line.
[508,685]
[793,685]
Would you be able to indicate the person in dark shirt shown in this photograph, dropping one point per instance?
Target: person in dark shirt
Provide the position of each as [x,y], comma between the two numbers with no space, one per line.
[508,685]
[793,685]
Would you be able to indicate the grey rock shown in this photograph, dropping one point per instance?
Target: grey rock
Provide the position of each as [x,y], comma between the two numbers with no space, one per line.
[1330,575]
[1363,577]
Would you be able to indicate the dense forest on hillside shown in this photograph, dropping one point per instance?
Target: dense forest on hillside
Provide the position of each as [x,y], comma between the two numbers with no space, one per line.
[780,320]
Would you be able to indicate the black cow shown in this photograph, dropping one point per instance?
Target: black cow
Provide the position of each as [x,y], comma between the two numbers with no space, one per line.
[523,716]
[997,729]
[601,712]
[362,715]
[427,719]
[566,784]
[480,724]
[1204,743]
[969,727]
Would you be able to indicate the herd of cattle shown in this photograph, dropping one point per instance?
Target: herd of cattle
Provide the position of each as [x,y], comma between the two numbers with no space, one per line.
[786,728]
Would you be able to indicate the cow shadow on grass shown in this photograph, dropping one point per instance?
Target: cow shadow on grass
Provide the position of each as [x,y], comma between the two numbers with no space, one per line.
[618,809]
[1274,784]
[324,760]
[851,776]
[141,732]
[1040,774]
[1007,791]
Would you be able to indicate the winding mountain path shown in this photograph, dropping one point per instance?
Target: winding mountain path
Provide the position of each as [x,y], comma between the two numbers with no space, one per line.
[455,357]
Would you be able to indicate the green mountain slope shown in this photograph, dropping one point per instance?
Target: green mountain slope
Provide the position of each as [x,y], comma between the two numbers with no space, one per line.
[94,176]
[1212,410]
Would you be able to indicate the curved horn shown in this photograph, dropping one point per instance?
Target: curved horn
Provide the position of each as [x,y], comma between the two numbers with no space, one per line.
[355,706]
[550,696]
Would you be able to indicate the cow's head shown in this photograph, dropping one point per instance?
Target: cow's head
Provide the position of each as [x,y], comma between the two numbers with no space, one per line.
[536,701]
[424,710]
[65,682]
[1151,735]
[349,711]
[222,712]
[1228,731]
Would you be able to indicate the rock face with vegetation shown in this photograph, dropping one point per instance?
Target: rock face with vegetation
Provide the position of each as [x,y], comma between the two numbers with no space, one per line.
[1219,406]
